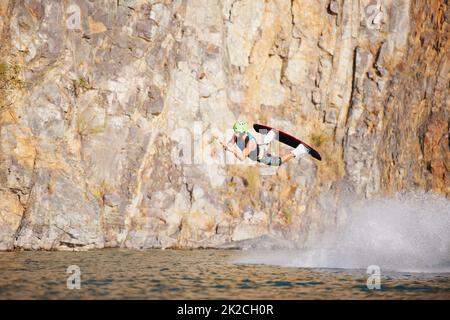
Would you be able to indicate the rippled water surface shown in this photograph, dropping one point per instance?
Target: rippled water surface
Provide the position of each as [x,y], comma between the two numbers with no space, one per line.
[197,274]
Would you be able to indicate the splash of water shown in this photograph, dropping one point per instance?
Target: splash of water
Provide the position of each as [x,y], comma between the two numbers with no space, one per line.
[407,232]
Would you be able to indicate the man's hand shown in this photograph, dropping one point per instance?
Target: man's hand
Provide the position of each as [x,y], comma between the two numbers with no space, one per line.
[225,146]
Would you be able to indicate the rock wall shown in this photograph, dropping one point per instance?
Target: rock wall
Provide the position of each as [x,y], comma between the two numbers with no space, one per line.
[110,113]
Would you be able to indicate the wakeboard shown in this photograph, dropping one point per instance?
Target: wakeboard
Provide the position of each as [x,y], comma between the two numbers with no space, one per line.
[287,139]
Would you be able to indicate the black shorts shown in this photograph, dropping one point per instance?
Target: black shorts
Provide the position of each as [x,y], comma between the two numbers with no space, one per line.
[269,159]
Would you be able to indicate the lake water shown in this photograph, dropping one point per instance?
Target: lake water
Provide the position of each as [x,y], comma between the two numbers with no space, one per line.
[196,274]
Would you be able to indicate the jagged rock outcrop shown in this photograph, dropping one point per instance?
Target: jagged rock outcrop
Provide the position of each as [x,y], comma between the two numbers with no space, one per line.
[110,111]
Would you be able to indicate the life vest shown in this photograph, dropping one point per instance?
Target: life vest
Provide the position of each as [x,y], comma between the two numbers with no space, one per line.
[242,143]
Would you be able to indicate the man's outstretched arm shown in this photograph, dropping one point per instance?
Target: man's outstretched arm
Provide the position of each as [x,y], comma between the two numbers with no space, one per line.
[232,141]
[229,144]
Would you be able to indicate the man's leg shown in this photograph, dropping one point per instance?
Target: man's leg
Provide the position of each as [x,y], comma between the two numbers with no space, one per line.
[288,156]
[264,147]
[297,152]
[270,160]
[268,138]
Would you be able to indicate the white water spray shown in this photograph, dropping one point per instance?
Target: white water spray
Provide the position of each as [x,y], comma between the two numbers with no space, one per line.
[408,232]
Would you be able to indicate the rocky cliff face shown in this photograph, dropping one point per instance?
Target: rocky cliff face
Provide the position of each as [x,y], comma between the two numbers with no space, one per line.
[110,112]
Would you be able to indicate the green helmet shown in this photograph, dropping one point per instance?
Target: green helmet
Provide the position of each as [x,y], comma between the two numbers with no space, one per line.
[240,126]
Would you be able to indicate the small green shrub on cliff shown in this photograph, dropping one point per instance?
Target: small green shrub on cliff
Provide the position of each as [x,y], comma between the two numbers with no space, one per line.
[3,70]
[317,139]
[81,84]
[99,191]
[97,129]
[10,76]
[252,181]
[287,213]
[84,128]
